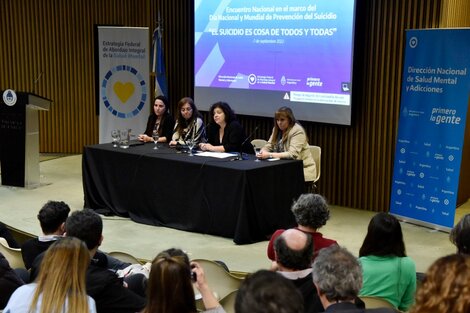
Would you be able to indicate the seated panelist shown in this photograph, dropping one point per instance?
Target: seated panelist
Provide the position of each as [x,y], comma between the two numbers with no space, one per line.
[224,132]
[160,120]
[189,124]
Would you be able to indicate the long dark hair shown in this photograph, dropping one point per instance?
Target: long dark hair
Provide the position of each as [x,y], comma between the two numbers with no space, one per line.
[169,286]
[182,123]
[384,237]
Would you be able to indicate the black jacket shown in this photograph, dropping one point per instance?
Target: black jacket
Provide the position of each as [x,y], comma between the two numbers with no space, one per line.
[9,281]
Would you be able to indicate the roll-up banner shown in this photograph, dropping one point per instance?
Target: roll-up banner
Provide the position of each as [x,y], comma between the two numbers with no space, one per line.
[434,104]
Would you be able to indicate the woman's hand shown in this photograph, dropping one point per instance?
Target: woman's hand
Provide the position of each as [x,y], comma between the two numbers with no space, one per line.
[263,155]
[173,143]
[206,146]
[144,138]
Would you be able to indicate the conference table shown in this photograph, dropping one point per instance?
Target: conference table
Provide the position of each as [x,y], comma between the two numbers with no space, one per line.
[240,199]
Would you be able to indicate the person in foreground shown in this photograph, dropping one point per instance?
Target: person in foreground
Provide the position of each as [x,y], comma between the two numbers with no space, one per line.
[9,281]
[60,286]
[289,141]
[387,272]
[294,252]
[189,124]
[160,120]
[170,290]
[224,132]
[311,212]
[460,235]
[268,292]
[446,287]
[338,278]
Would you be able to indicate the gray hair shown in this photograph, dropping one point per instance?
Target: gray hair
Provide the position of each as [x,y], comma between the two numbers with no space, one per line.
[337,274]
[311,210]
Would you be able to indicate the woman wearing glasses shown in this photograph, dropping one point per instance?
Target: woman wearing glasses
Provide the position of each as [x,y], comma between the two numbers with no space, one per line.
[189,124]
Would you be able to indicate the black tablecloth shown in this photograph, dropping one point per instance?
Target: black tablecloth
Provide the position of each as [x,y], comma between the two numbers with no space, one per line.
[244,200]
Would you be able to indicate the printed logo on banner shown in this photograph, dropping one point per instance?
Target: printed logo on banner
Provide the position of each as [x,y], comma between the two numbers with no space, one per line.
[128,85]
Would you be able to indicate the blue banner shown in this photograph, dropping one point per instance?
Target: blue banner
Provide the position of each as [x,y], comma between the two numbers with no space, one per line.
[434,103]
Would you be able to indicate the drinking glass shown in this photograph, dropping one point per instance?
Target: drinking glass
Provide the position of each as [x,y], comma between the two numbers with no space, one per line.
[124,138]
[155,139]
[191,143]
[257,151]
[115,136]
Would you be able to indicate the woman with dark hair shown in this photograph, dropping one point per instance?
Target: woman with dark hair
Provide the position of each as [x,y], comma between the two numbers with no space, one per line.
[224,132]
[387,272]
[445,287]
[289,141]
[311,212]
[170,287]
[189,124]
[160,120]
[460,235]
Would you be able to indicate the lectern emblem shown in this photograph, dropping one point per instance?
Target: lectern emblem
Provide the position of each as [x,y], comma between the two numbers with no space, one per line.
[9,97]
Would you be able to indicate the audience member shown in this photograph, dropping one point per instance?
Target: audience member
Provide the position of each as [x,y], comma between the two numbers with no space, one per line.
[60,286]
[102,284]
[189,124]
[387,272]
[268,292]
[460,235]
[9,281]
[160,120]
[52,217]
[338,278]
[289,141]
[311,212]
[446,287]
[224,132]
[294,252]
[5,233]
[170,287]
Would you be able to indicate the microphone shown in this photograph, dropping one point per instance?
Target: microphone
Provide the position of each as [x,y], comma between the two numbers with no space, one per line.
[240,156]
[36,81]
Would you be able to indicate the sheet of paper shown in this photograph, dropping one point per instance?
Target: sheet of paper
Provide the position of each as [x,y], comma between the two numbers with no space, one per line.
[218,155]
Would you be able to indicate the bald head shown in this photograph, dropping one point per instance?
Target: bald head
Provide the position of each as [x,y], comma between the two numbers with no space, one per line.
[294,250]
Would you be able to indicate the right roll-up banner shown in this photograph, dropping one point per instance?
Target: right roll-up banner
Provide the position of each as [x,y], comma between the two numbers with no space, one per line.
[433,111]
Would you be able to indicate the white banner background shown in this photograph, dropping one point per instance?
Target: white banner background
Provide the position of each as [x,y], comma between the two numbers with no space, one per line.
[123,79]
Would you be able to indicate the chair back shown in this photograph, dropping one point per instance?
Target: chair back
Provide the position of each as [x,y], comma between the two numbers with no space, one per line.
[13,255]
[228,302]
[124,257]
[316,155]
[372,302]
[221,282]
[259,143]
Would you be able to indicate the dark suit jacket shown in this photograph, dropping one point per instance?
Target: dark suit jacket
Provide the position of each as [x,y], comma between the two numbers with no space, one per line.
[234,136]
[349,307]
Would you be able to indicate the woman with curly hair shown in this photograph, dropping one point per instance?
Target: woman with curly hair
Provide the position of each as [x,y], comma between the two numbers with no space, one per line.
[311,212]
[446,287]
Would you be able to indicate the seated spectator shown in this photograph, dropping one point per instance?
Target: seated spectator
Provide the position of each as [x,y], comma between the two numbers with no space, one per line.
[338,278]
[52,217]
[189,124]
[446,286]
[9,281]
[294,252]
[60,286]
[387,272]
[460,235]
[170,287]
[268,292]
[103,285]
[5,233]
[224,132]
[311,212]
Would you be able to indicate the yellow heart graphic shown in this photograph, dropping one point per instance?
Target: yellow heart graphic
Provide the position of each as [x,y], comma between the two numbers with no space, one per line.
[124,90]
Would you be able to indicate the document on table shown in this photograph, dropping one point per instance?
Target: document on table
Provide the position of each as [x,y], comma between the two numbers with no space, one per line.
[218,155]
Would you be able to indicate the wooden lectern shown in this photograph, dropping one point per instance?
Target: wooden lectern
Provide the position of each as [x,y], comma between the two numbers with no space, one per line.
[19,137]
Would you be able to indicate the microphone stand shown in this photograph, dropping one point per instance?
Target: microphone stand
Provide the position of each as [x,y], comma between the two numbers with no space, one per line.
[240,155]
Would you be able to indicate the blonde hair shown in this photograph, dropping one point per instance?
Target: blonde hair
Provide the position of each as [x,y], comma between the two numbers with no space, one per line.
[283,112]
[62,278]
[446,287]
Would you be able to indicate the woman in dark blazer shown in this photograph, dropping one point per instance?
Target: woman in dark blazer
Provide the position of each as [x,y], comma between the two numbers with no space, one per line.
[161,120]
[224,132]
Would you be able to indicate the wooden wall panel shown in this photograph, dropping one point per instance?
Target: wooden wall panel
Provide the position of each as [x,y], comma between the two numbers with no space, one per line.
[56,37]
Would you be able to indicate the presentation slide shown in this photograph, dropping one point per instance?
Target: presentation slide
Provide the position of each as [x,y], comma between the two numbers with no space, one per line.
[260,55]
